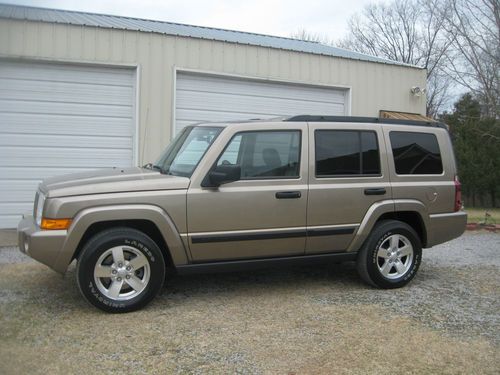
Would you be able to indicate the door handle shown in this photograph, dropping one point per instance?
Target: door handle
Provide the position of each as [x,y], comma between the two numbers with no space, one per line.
[288,194]
[375,191]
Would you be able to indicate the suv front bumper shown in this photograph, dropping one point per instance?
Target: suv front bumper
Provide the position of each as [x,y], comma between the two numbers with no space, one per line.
[41,245]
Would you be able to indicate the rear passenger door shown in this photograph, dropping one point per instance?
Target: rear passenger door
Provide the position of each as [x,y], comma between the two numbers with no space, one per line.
[347,174]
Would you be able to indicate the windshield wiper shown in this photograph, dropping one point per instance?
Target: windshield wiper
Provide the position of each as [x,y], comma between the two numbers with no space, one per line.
[153,166]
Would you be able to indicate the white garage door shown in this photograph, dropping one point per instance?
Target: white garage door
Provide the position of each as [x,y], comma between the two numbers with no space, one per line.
[214,98]
[57,119]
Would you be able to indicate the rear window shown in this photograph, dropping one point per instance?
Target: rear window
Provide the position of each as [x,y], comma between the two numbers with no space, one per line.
[346,153]
[416,153]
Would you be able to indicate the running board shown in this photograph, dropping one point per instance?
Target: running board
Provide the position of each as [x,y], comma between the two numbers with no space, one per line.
[240,265]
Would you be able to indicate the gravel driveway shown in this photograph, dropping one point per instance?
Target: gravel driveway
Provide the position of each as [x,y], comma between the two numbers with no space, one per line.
[288,321]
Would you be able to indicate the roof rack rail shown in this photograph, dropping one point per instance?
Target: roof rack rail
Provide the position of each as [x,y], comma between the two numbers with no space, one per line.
[371,120]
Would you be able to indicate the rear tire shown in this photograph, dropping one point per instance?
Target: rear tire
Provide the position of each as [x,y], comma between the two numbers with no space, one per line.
[120,270]
[391,255]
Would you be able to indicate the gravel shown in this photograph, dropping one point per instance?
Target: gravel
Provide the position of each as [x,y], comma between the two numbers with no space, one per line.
[320,319]
[12,255]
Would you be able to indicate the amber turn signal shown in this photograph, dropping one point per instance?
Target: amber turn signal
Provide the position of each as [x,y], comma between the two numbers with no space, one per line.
[51,224]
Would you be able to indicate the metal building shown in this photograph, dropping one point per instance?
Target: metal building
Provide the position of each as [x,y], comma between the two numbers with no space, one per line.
[81,91]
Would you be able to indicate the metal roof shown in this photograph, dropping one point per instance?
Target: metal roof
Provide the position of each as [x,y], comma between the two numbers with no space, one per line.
[18,12]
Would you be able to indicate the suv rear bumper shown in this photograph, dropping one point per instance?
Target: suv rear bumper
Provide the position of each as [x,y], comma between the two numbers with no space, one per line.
[445,227]
[41,245]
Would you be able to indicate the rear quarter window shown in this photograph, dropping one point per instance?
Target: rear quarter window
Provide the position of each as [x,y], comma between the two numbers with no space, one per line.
[416,153]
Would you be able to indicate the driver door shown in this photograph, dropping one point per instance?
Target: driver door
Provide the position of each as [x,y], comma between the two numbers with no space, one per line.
[264,213]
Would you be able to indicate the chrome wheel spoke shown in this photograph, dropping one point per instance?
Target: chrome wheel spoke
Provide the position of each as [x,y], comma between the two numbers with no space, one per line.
[138,262]
[382,253]
[103,271]
[400,267]
[118,256]
[394,242]
[115,288]
[386,268]
[405,251]
[135,283]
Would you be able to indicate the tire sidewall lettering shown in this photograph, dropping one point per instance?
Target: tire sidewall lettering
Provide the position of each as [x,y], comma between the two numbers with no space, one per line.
[139,245]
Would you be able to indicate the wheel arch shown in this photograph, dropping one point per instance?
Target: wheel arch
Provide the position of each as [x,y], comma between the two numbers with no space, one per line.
[152,220]
[145,226]
[412,218]
[409,211]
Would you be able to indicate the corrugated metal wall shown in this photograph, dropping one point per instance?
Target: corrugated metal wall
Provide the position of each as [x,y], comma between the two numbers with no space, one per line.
[374,86]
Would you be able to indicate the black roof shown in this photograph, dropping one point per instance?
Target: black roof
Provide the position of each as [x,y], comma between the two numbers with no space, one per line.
[371,120]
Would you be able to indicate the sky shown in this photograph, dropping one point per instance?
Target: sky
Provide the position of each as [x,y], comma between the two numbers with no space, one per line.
[327,18]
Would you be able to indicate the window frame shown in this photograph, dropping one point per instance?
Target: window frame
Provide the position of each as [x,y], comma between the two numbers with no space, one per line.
[359,131]
[405,175]
[299,131]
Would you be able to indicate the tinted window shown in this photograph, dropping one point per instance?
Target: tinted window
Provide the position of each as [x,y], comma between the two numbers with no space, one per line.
[416,153]
[342,152]
[264,154]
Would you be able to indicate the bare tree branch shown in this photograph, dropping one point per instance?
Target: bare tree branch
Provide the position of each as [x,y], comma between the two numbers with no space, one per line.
[410,31]
[473,28]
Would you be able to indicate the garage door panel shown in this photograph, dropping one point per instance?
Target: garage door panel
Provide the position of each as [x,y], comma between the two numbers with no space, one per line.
[38,173]
[255,105]
[64,157]
[68,108]
[24,192]
[57,119]
[201,97]
[13,209]
[10,221]
[65,92]
[33,123]
[67,73]
[189,116]
[51,140]
[200,83]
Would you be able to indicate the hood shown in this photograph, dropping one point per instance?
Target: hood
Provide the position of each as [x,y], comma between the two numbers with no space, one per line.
[113,180]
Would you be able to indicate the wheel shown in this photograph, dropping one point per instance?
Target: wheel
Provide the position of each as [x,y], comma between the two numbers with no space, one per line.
[120,270]
[391,255]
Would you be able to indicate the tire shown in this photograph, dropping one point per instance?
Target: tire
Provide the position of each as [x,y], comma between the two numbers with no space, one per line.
[391,255]
[120,270]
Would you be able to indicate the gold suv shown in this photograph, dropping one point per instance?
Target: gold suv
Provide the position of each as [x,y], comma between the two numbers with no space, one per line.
[228,196]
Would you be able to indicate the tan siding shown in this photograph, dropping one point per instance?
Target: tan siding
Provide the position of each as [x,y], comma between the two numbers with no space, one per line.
[374,86]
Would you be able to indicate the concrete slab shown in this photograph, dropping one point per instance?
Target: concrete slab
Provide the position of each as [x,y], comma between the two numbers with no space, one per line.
[8,237]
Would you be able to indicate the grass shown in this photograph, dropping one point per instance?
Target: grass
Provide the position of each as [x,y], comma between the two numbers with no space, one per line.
[477,215]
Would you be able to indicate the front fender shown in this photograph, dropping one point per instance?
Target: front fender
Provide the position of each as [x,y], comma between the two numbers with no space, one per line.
[85,218]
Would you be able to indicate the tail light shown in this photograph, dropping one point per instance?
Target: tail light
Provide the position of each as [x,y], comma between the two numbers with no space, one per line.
[458,194]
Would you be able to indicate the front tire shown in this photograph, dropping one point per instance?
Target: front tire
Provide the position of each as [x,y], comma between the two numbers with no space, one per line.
[120,270]
[391,255]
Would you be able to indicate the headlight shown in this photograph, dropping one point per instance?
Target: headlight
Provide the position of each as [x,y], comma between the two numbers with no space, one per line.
[39,208]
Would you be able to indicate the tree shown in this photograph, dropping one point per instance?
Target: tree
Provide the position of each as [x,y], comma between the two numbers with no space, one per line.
[476,142]
[473,30]
[410,31]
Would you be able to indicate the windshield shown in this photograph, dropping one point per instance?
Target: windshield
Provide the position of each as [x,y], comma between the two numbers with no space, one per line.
[184,153]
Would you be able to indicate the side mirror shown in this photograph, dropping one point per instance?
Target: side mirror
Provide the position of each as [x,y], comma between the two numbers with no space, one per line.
[222,174]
